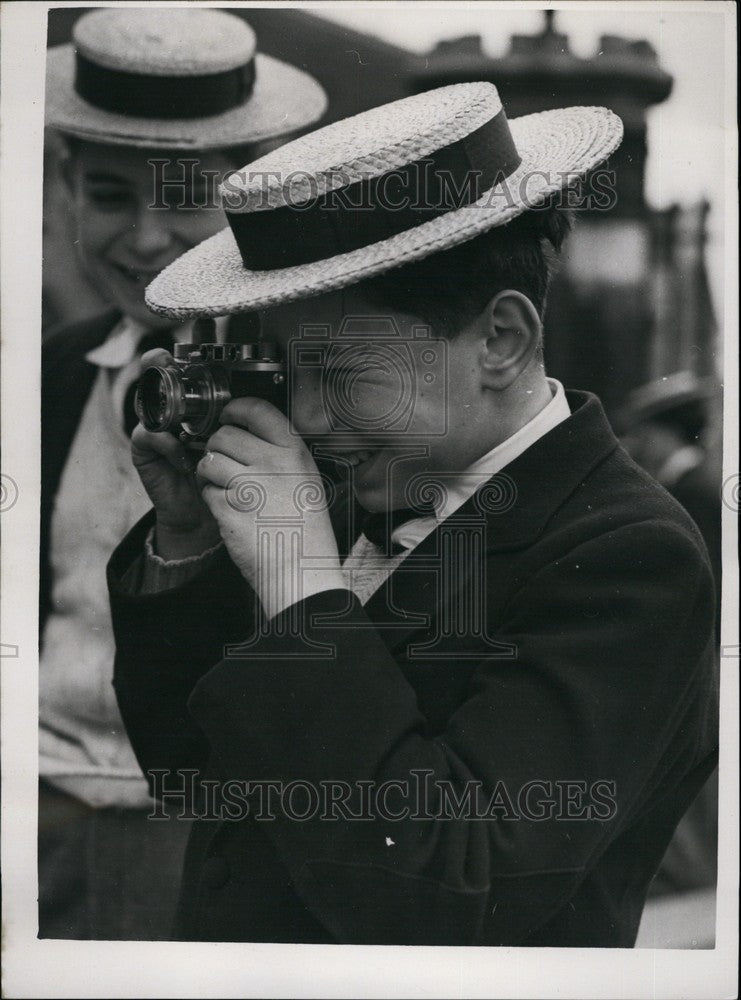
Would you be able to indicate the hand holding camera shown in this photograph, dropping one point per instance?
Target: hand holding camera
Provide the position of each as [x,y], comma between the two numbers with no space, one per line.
[262,485]
[233,398]
[185,526]
[184,395]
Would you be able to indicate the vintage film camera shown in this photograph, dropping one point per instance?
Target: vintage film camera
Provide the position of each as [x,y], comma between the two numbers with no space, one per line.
[186,398]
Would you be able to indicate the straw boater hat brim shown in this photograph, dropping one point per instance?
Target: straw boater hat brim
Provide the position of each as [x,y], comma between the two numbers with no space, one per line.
[554,148]
[174,78]
[284,100]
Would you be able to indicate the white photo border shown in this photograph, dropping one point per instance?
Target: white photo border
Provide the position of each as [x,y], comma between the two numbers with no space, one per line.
[46,968]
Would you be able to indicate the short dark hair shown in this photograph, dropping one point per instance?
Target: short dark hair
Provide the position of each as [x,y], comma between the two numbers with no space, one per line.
[450,288]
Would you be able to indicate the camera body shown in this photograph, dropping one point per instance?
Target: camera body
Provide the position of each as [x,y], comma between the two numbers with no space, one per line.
[186,397]
[345,361]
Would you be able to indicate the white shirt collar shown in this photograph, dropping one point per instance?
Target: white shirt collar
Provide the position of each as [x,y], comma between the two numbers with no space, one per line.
[460,487]
[119,347]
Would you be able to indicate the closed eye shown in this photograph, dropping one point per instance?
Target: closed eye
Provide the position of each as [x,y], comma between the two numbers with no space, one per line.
[358,370]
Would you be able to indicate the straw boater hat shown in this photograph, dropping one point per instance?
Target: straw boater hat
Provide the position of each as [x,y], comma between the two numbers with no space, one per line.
[180,78]
[381,189]
[665,396]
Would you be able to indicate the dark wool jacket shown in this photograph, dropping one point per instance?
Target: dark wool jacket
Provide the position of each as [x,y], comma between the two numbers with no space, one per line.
[588,681]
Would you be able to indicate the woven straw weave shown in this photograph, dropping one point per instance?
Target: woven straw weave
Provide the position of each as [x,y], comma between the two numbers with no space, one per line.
[366,145]
[179,42]
[165,41]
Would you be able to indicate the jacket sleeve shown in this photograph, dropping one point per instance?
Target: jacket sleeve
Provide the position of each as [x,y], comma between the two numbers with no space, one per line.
[611,664]
[164,643]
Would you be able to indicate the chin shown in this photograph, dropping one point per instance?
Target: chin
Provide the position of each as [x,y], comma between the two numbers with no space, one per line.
[373,496]
[137,310]
[127,297]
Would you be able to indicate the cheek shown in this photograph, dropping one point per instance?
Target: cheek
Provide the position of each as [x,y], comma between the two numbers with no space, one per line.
[433,392]
[433,404]
[306,408]
[97,230]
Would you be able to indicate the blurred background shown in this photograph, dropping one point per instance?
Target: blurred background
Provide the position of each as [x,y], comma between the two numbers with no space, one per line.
[638,291]
[634,309]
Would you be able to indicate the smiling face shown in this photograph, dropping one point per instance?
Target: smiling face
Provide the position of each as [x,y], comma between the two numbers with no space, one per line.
[123,243]
[423,394]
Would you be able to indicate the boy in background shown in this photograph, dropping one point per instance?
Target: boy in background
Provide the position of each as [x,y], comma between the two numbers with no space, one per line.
[186,89]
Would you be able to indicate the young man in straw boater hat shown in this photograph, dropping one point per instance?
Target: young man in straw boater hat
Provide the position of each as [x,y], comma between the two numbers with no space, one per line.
[153,103]
[466,701]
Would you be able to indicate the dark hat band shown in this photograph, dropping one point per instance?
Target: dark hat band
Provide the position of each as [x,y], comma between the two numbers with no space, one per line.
[357,215]
[146,96]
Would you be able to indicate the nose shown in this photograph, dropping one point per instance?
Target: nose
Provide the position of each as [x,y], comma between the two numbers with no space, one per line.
[151,236]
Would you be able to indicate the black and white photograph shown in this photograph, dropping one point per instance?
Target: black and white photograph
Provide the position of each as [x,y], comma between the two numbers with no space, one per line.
[369,499]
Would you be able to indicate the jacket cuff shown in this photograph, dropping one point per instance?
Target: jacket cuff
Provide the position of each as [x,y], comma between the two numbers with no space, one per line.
[156,574]
[311,617]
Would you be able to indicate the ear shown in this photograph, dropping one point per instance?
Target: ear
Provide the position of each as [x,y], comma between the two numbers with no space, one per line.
[513,333]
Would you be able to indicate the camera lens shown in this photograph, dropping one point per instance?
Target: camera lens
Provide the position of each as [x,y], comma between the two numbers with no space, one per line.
[159,398]
[205,393]
[190,397]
